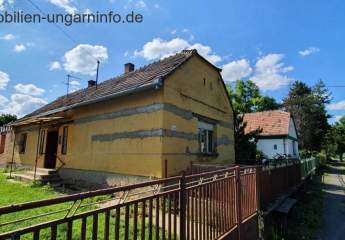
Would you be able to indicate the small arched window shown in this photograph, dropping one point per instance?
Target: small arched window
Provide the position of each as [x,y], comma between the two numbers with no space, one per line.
[275,146]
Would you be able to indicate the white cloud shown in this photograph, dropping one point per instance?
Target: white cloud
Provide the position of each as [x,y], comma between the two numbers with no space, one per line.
[3,101]
[5,3]
[83,58]
[66,5]
[337,106]
[19,48]
[206,52]
[4,79]
[338,117]
[7,37]
[29,89]
[88,11]
[74,86]
[21,104]
[54,66]
[236,70]
[159,48]
[309,51]
[270,72]
[140,4]
[174,31]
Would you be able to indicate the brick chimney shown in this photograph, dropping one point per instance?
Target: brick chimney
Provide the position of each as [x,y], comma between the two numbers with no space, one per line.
[91,83]
[129,67]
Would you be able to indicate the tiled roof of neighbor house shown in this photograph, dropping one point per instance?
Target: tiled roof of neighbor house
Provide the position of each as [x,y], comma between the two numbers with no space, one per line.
[272,123]
[144,75]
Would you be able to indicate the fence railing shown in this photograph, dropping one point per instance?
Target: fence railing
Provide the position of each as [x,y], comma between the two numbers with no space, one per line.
[275,181]
[209,205]
[5,129]
[308,166]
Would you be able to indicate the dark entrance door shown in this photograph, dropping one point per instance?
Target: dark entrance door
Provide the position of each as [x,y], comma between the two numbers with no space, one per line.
[51,149]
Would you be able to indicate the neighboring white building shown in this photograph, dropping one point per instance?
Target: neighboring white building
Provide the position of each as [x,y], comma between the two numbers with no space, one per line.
[279,133]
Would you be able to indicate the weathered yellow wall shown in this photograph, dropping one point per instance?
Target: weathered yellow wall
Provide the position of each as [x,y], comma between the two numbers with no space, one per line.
[136,156]
[29,157]
[6,156]
[185,89]
[144,156]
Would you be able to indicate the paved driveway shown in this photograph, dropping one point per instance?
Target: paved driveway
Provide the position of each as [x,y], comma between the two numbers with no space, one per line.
[333,184]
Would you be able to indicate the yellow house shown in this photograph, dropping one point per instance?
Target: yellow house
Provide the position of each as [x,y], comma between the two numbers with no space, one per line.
[149,122]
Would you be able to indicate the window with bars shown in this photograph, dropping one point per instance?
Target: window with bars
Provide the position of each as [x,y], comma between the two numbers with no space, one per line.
[64,140]
[206,141]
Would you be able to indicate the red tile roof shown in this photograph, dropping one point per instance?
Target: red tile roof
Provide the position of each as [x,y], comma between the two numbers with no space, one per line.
[272,123]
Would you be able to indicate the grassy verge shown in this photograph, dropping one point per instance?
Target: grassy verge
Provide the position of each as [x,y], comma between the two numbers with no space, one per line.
[306,217]
[14,192]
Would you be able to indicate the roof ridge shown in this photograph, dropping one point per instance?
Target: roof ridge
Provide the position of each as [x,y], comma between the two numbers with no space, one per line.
[282,111]
[160,68]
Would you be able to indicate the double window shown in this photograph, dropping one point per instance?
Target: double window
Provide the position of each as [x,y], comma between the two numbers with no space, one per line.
[206,141]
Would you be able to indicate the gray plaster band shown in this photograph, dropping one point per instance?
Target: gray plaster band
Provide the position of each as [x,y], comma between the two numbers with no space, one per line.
[124,113]
[143,134]
[186,114]
[183,113]
[224,140]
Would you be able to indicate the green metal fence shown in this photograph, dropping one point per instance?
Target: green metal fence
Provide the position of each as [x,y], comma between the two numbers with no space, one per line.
[308,166]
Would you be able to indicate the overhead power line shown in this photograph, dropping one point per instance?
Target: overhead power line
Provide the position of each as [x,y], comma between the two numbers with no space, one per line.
[67,35]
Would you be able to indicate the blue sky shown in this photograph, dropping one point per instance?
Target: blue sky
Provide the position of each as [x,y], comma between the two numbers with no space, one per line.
[271,42]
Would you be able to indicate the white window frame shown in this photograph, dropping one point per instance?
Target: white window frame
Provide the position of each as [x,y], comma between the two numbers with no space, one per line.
[208,129]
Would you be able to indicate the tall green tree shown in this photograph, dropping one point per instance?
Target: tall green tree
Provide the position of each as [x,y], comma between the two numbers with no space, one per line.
[245,144]
[338,132]
[7,118]
[308,107]
[246,98]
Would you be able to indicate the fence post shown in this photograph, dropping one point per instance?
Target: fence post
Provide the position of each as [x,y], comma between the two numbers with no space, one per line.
[238,201]
[182,201]
[258,187]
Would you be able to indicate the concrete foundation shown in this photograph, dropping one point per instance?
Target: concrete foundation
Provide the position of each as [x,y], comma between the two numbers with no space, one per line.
[99,178]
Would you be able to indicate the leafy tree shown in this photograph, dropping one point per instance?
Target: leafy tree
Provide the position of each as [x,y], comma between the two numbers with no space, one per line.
[246,98]
[265,103]
[308,106]
[7,118]
[245,144]
[338,131]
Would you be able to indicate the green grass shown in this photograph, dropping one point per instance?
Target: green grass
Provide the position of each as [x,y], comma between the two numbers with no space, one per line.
[305,220]
[14,192]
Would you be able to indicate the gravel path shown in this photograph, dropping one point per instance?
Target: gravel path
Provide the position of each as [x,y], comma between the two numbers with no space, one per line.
[333,184]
